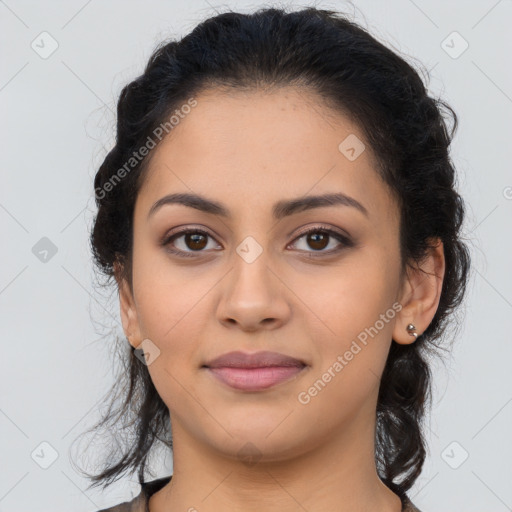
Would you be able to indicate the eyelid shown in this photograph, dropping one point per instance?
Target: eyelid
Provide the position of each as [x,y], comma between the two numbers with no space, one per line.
[186,228]
[345,240]
[322,227]
[183,230]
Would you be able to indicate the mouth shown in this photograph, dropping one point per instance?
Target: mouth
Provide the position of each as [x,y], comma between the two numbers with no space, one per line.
[255,379]
[254,372]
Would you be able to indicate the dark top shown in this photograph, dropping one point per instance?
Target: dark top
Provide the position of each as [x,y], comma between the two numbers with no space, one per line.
[141,502]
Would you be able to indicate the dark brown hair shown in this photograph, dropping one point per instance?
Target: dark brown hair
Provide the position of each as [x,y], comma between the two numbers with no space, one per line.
[323,52]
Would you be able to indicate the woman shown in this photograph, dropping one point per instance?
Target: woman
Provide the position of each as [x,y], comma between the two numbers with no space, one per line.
[280,217]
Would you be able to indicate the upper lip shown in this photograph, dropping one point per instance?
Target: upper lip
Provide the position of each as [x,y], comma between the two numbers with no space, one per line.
[255,360]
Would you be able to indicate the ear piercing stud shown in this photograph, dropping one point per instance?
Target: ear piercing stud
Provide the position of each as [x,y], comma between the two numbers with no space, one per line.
[411,329]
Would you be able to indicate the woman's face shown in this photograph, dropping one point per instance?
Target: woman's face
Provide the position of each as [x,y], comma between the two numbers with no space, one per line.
[252,281]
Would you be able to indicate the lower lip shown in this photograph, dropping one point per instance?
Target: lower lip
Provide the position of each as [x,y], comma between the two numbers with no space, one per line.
[255,379]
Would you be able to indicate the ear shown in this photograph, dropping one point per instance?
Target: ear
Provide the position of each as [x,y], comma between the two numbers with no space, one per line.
[127,307]
[420,295]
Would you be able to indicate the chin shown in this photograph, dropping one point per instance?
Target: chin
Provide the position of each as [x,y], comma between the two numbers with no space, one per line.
[260,443]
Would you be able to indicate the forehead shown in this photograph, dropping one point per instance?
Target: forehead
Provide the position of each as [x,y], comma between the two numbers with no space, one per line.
[244,148]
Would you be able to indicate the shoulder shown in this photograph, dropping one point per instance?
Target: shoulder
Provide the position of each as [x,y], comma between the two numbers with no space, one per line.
[135,505]
[408,506]
[138,504]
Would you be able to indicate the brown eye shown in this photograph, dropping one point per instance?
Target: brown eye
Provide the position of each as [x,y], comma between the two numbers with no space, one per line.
[187,241]
[195,241]
[318,240]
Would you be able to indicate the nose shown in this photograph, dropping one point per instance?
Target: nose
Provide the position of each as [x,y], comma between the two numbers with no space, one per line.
[254,297]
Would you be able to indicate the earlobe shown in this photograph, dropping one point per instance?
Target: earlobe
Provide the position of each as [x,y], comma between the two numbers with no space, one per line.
[421,295]
[411,330]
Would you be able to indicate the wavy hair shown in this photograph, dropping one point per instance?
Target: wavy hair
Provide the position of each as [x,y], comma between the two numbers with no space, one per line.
[407,130]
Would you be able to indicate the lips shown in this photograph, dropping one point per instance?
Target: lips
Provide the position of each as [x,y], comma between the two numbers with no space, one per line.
[254,372]
[256,360]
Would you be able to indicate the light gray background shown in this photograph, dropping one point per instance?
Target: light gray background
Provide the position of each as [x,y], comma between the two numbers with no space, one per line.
[57,125]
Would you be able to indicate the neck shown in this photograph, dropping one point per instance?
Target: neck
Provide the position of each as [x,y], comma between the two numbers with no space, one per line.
[338,474]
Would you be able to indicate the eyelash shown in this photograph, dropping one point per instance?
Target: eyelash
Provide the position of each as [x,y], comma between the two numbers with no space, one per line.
[344,240]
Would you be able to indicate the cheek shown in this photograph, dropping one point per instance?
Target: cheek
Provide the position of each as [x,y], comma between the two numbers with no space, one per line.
[352,343]
[172,313]
[169,298]
[351,317]
[350,297]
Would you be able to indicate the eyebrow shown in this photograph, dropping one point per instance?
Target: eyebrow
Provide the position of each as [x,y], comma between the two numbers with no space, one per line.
[281,209]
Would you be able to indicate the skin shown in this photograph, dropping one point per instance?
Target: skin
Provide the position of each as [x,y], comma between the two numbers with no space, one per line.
[248,151]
